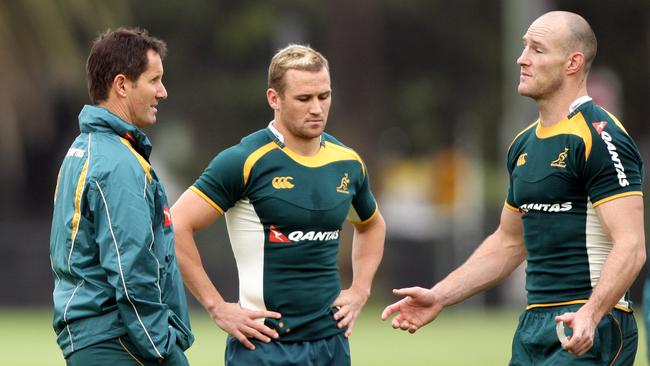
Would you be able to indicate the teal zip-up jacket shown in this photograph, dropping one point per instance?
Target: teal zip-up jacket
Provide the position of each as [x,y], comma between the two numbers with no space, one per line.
[112,244]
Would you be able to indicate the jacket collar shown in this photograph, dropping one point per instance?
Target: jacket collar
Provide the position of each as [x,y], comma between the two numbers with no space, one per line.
[98,119]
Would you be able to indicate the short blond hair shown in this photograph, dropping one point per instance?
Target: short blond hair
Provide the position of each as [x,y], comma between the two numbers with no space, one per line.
[294,56]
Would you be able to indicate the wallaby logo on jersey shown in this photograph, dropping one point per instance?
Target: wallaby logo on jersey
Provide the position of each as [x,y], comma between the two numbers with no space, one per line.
[275,236]
[560,162]
[620,170]
[282,183]
[343,187]
[521,160]
[545,207]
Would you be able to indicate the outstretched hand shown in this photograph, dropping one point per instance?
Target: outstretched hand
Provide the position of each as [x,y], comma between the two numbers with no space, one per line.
[241,324]
[415,310]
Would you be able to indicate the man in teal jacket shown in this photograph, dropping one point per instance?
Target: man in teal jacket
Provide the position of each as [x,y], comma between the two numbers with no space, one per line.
[118,294]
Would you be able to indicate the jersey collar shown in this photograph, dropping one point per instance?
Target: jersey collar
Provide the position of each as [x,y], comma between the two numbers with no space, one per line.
[578,102]
[279,139]
[276,134]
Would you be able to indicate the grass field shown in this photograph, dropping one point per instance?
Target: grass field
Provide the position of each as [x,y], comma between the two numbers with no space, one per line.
[458,337]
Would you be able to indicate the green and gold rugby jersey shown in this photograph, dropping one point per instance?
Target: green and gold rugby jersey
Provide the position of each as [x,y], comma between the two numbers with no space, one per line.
[558,175]
[284,214]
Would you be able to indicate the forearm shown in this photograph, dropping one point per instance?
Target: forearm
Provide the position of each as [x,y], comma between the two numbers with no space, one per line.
[365,261]
[194,275]
[619,271]
[367,251]
[493,261]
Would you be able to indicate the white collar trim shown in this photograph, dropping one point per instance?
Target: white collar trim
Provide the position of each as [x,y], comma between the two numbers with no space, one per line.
[578,102]
[275,132]
[279,136]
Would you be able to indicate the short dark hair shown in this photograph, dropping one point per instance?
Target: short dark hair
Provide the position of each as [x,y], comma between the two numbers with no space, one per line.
[122,51]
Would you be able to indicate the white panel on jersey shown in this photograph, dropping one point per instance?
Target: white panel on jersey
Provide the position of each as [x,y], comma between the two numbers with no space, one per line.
[599,245]
[247,240]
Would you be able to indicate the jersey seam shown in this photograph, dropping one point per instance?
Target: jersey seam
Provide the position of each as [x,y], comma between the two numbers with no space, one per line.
[207,199]
[616,196]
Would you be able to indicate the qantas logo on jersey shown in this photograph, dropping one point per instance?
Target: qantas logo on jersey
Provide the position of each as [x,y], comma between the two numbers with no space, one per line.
[275,236]
[168,216]
[620,170]
[545,207]
[599,126]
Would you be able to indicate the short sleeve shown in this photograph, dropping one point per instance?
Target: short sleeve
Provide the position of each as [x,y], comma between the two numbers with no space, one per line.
[510,198]
[363,206]
[222,182]
[614,167]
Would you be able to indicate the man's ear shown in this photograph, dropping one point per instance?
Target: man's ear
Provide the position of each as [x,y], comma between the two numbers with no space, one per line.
[575,63]
[119,85]
[273,97]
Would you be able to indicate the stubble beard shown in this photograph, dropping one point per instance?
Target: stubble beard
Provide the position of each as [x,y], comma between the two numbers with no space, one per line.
[306,133]
[541,92]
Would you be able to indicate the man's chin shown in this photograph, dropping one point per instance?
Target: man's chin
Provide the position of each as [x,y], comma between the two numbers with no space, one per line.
[313,132]
[524,93]
[144,124]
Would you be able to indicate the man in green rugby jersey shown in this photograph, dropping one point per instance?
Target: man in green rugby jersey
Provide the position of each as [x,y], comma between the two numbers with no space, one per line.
[285,191]
[574,212]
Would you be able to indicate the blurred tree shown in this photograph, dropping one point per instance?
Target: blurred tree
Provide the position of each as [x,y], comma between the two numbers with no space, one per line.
[410,78]
[42,63]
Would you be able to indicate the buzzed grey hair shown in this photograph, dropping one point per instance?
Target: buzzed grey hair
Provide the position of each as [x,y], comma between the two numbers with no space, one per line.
[583,38]
[580,38]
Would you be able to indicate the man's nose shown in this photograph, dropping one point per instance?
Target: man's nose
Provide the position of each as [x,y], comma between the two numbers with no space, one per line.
[162,92]
[315,107]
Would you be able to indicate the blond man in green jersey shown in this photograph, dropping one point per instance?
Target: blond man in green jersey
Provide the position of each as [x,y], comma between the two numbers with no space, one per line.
[285,191]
